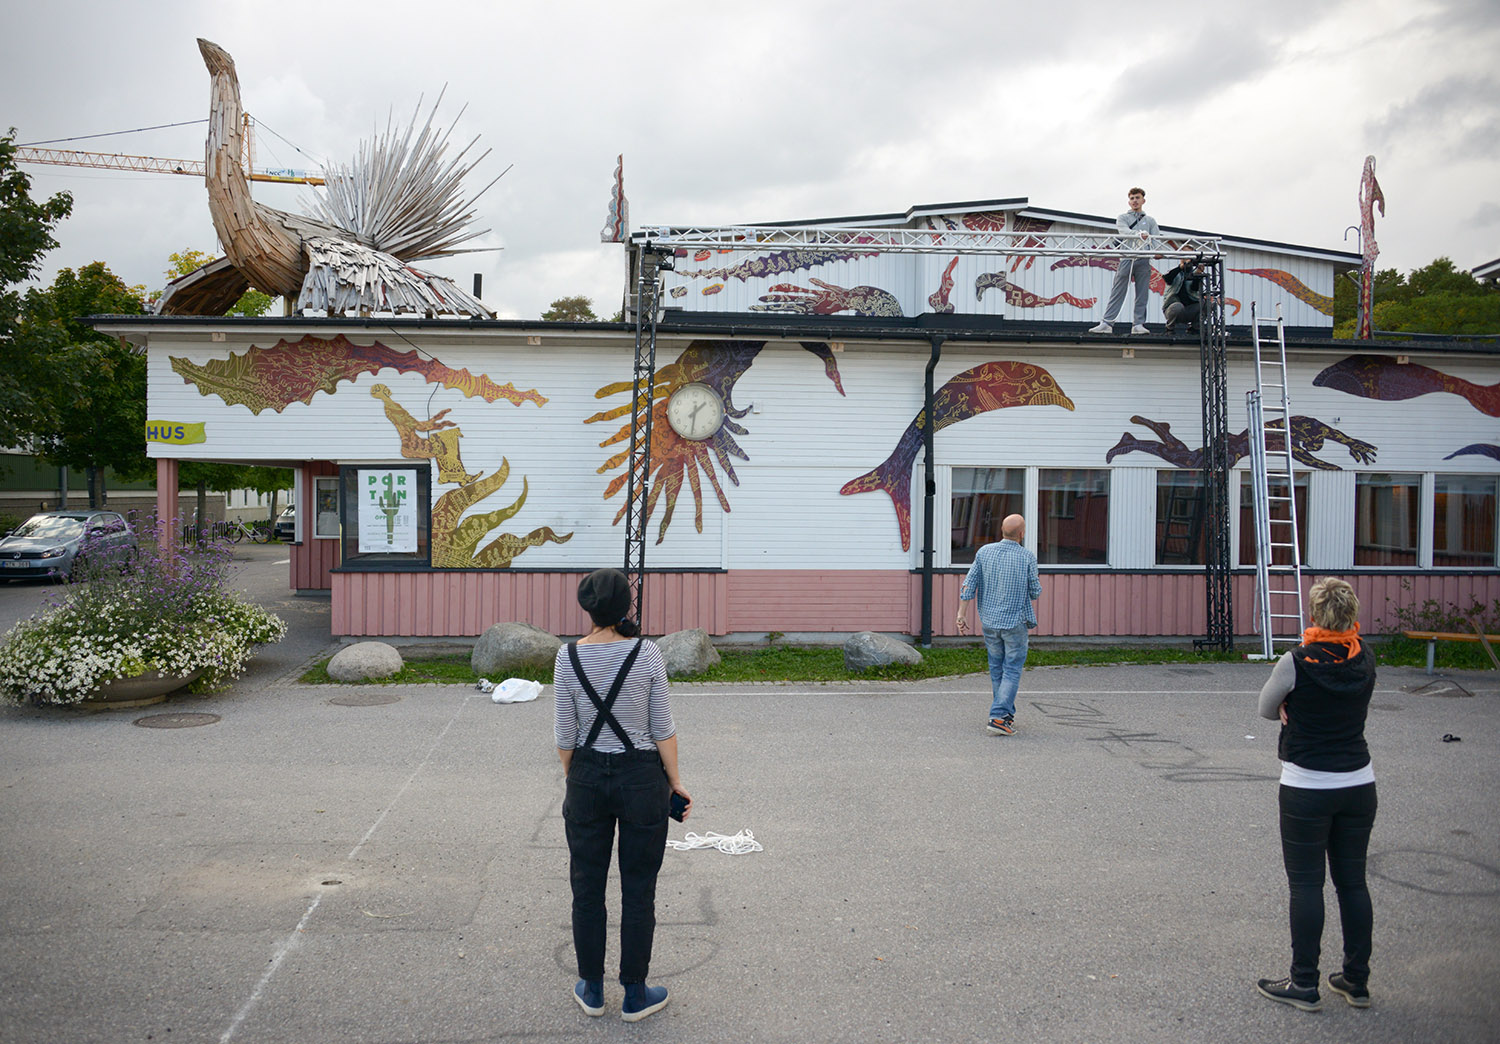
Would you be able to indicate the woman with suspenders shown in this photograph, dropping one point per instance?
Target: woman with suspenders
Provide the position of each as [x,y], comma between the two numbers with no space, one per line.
[618,747]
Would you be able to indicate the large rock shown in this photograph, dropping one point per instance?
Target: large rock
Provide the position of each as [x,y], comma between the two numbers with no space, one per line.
[688,652]
[868,649]
[364,661]
[506,646]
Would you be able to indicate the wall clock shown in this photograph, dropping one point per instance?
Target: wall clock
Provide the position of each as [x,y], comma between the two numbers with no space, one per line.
[695,411]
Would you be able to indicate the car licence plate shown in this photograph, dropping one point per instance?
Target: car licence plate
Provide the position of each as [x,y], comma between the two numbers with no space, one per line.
[17,563]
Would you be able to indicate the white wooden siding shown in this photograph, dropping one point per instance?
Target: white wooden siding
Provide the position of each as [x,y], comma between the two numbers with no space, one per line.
[805,441]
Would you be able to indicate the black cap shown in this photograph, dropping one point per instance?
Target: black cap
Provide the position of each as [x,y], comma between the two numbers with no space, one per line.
[605,595]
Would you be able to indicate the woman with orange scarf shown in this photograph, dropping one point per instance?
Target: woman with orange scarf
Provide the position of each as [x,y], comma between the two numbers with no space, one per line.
[1321,692]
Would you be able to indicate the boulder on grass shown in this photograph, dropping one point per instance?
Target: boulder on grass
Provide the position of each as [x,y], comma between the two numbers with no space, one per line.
[508,646]
[869,649]
[364,661]
[688,652]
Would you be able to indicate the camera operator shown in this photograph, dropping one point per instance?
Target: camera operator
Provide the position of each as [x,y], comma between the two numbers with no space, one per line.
[1183,300]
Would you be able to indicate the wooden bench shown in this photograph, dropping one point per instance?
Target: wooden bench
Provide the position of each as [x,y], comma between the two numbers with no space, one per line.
[1433,637]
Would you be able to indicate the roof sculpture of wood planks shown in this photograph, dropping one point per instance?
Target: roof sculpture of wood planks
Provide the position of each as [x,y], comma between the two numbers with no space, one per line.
[399,201]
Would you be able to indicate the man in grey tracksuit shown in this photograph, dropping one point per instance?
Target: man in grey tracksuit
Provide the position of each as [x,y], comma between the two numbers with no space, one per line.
[1137,228]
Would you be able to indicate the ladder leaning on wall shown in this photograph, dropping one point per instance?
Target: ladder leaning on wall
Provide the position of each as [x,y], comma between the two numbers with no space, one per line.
[1278,585]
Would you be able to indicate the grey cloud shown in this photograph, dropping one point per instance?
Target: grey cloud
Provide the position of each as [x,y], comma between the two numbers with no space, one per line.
[1459,114]
[1486,214]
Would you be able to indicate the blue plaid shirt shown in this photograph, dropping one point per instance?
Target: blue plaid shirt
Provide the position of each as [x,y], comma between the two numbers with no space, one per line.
[1005,579]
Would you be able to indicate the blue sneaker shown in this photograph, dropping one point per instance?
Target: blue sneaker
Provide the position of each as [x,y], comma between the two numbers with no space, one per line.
[589,993]
[641,1000]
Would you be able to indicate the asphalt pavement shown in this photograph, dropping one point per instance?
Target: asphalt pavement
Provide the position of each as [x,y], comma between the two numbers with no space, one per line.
[386,864]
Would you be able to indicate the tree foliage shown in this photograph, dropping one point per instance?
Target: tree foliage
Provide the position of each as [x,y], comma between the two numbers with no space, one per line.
[575,309]
[1439,298]
[251,302]
[97,392]
[26,227]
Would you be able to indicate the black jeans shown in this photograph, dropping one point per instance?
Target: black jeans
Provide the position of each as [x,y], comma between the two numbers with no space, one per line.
[628,790]
[1333,825]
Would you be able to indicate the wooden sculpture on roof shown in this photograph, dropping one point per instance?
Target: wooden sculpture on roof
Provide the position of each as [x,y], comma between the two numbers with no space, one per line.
[398,202]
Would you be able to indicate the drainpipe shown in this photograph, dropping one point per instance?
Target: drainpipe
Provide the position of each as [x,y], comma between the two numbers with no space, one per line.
[929,475]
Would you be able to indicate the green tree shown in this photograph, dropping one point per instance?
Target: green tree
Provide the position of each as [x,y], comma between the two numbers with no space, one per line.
[30,366]
[97,414]
[1439,298]
[576,309]
[251,302]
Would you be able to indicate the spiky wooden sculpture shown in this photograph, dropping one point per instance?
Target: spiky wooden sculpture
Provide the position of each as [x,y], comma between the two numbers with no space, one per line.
[398,202]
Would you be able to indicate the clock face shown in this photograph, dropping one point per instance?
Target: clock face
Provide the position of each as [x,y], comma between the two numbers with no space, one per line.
[695,411]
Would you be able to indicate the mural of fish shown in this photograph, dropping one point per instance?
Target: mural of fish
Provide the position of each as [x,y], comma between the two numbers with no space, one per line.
[990,386]
[1292,285]
[1382,377]
[1476,449]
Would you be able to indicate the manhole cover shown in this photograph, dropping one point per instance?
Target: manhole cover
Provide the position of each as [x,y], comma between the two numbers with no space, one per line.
[364,699]
[175,721]
[1443,687]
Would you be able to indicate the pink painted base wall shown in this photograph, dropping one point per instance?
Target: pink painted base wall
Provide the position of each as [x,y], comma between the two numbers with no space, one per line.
[465,604]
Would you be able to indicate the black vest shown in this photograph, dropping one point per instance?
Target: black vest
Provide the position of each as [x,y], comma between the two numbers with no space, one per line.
[1326,709]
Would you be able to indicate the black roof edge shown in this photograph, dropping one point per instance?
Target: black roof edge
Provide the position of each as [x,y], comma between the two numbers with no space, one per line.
[771,326]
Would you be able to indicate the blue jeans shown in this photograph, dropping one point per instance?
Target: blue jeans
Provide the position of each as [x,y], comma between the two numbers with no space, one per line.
[627,792]
[1007,651]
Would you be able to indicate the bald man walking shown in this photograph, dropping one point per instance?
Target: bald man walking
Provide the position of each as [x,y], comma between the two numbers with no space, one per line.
[1004,577]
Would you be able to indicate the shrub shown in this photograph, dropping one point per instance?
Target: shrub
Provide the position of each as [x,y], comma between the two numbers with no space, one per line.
[167,611]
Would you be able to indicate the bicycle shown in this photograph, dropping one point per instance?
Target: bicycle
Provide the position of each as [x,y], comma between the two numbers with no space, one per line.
[237,531]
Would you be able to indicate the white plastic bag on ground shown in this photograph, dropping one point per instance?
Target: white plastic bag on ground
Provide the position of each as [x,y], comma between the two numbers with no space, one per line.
[511,690]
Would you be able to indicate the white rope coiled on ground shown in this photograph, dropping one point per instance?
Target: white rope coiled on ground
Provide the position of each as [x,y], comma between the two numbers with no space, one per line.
[742,843]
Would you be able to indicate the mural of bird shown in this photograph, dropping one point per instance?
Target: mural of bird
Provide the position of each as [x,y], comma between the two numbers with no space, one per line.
[397,203]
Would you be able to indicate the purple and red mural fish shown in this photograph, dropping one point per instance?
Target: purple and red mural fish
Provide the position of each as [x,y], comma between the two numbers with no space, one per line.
[778,263]
[990,386]
[1308,436]
[1292,285]
[1382,377]
[828,299]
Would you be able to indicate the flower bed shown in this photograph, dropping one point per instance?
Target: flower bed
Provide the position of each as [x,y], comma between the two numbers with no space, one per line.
[167,612]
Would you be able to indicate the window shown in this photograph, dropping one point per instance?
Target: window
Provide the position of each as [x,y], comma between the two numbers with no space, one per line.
[386,512]
[1463,525]
[1386,509]
[1281,555]
[1181,507]
[326,503]
[982,497]
[1073,516]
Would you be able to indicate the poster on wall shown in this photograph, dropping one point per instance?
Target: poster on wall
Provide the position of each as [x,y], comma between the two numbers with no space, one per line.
[326,499]
[387,510]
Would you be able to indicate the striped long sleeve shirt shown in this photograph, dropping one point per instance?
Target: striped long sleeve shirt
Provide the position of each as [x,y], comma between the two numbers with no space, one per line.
[642,708]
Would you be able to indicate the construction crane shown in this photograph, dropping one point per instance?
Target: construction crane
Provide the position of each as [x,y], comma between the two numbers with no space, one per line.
[157,165]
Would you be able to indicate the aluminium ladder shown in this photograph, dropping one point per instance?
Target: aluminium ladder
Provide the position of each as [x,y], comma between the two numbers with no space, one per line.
[1273,480]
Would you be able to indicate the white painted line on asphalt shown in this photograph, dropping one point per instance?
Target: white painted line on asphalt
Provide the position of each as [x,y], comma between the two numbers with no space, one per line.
[295,938]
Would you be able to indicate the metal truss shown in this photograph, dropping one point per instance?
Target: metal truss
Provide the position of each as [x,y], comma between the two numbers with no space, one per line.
[1212,351]
[654,249]
[926,241]
[650,262]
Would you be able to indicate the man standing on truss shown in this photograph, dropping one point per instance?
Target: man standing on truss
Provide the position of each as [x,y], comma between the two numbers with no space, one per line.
[1137,227]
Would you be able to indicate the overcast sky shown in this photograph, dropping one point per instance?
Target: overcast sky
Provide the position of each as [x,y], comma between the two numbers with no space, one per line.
[1249,119]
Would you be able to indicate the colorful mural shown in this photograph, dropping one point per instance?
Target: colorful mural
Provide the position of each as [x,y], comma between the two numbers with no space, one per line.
[455,539]
[1158,284]
[938,299]
[828,299]
[1021,298]
[717,364]
[287,372]
[294,371]
[990,386]
[1292,285]
[778,263]
[1383,377]
[1308,437]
